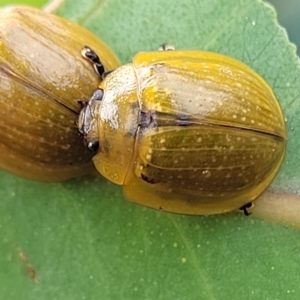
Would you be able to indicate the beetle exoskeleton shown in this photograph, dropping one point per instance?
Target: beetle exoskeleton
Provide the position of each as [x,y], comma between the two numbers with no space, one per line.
[186,132]
[42,77]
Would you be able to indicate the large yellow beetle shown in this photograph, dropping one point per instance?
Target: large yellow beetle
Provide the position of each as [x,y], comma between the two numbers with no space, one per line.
[185,131]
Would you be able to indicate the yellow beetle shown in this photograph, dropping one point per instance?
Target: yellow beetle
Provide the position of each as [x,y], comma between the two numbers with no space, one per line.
[41,79]
[186,132]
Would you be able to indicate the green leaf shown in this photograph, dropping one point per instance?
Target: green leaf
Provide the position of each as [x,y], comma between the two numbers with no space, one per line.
[82,240]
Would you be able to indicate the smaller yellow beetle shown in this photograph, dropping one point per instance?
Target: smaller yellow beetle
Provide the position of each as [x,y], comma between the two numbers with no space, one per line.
[41,78]
[186,132]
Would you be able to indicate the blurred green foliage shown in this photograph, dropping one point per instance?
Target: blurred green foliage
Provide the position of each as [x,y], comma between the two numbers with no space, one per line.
[289,17]
[36,3]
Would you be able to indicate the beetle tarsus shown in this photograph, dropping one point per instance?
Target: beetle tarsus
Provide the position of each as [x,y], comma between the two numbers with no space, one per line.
[245,210]
[166,47]
[92,56]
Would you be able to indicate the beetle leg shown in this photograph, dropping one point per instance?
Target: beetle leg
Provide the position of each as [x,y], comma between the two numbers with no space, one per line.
[92,56]
[147,179]
[244,208]
[106,73]
[166,47]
